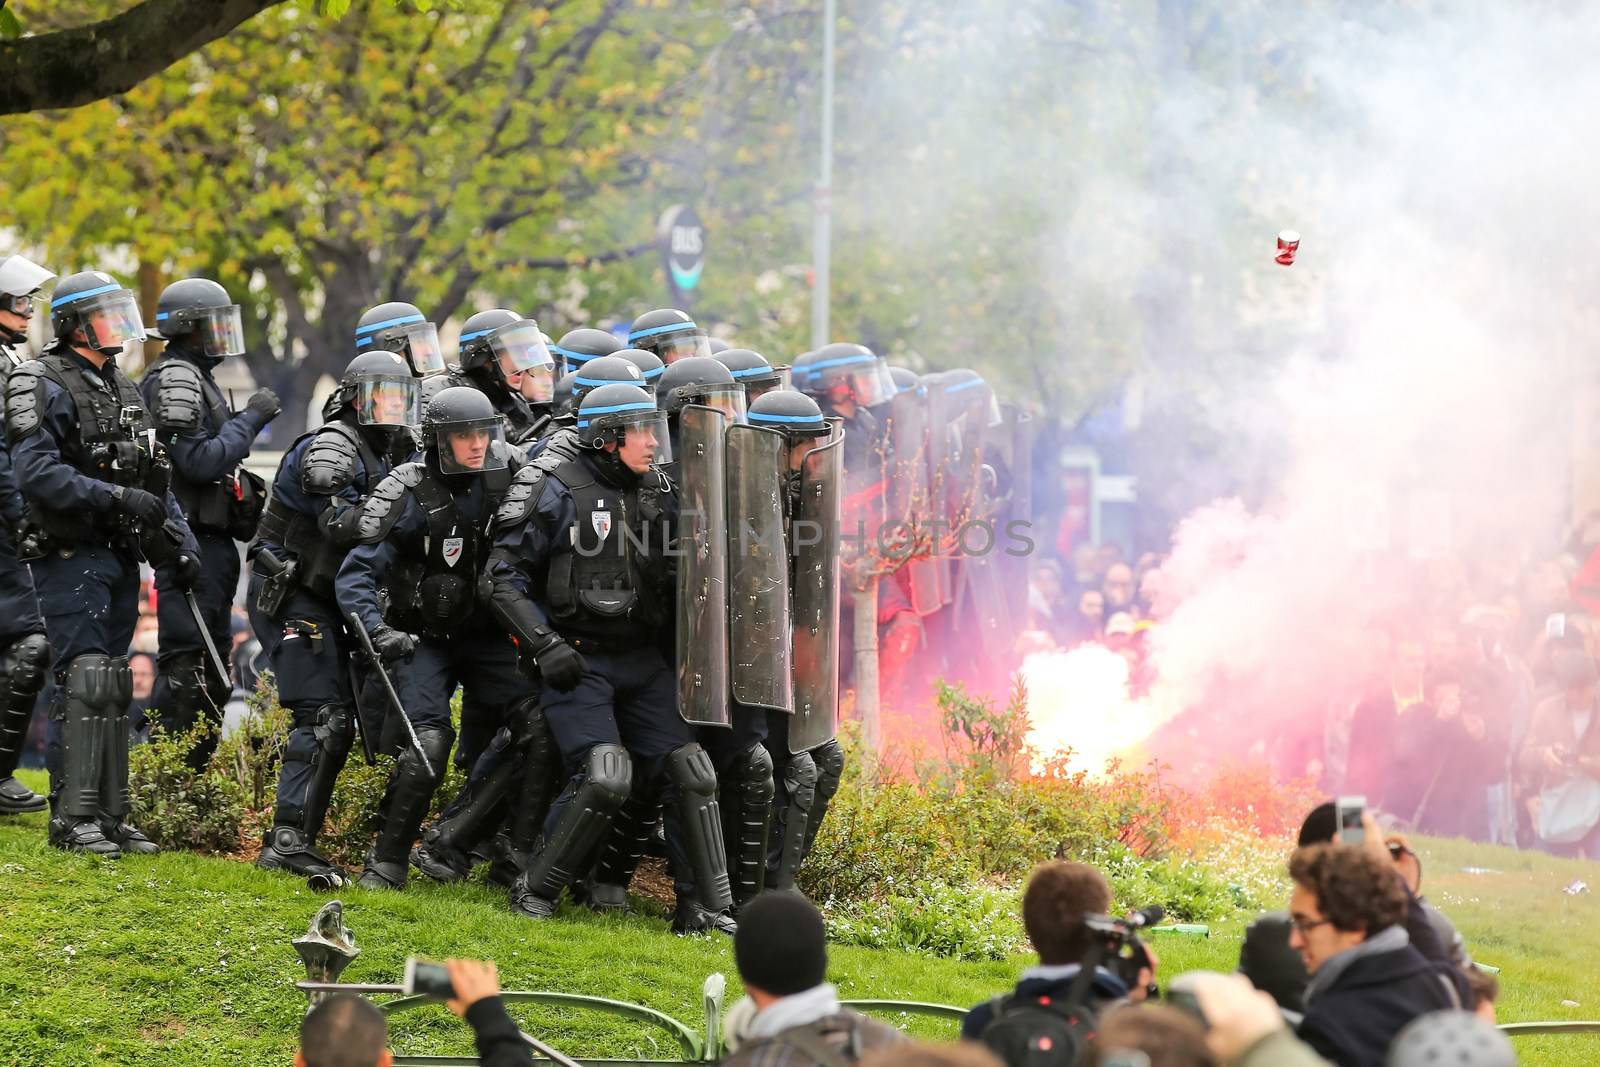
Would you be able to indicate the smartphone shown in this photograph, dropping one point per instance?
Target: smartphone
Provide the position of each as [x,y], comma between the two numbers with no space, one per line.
[1555,625]
[428,979]
[1349,811]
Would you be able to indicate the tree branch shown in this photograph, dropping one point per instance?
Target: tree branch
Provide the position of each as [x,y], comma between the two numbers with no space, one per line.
[77,66]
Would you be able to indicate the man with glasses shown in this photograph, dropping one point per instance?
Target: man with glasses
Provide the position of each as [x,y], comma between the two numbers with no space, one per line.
[206,441]
[24,651]
[84,449]
[1367,980]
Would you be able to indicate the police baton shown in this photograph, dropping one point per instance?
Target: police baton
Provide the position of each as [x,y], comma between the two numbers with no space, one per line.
[388,687]
[360,717]
[225,675]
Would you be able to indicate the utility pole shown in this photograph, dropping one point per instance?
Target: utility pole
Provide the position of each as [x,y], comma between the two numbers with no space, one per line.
[822,203]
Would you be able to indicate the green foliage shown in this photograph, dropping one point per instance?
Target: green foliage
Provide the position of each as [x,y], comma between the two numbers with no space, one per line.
[176,806]
[933,919]
[994,742]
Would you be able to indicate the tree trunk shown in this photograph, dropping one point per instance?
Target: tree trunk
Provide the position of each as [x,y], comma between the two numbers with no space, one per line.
[70,68]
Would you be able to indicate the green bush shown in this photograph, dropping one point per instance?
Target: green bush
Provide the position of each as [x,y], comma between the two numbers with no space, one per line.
[971,922]
[176,806]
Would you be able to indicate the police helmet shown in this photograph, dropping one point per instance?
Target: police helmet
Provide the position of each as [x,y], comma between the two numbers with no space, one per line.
[561,403]
[700,380]
[20,281]
[792,412]
[463,431]
[96,303]
[400,327]
[717,345]
[605,370]
[381,389]
[751,370]
[609,413]
[649,364]
[844,371]
[512,349]
[204,308]
[965,392]
[1456,1038]
[579,346]
[905,380]
[669,333]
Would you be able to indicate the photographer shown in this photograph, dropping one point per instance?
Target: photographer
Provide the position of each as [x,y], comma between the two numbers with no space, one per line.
[347,1030]
[1059,898]
[1367,981]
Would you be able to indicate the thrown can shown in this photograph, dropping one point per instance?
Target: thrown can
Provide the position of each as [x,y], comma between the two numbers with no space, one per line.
[1288,245]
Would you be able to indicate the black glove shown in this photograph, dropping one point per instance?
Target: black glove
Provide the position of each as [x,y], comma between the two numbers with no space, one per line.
[185,571]
[560,665]
[391,644]
[264,402]
[147,508]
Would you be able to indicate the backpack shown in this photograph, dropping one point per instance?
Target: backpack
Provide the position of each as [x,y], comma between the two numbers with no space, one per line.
[1038,1031]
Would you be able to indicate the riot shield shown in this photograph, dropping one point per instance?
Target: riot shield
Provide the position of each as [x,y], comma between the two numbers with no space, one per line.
[702,548]
[908,465]
[814,540]
[759,622]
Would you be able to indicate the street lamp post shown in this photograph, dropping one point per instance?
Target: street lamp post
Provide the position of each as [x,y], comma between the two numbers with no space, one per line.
[822,203]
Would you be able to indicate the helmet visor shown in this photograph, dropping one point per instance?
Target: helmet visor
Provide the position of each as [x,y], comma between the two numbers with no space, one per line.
[977,402]
[20,276]
[675,346]
[388,400]
[110,320]
[538,385]
[728,399]
[644,434]
[471,447]
[518,347]
[221,331]
[423,350]
[862,378]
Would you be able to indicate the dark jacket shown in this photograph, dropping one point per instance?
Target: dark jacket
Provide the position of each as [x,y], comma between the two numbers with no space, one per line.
[849,1034]
[1353,1021]
[499,1041]
[1105,990]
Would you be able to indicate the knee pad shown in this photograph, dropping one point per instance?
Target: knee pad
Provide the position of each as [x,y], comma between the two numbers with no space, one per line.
[800,777]
[829,758]
[335,729]
[690,769]
[99,680]
[609,777]
[435,742]
[755,773]
[27,660]
[185,673]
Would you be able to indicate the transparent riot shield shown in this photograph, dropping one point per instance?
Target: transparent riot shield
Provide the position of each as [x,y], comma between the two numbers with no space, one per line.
[908,466]
[702,548]
[759,620]
[814,540]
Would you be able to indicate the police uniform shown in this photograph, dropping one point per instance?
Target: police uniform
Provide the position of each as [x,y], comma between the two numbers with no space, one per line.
[580,572]
[423,539]
[69,425]
[206,443]
[309,524]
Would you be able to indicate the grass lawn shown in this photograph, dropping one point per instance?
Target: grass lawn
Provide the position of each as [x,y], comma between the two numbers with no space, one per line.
[177,959]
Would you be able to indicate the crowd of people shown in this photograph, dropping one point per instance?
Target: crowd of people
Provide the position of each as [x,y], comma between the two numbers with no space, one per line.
[1359,971]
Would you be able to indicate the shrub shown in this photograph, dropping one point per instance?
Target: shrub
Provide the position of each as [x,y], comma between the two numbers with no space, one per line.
[969,922]
[176,806]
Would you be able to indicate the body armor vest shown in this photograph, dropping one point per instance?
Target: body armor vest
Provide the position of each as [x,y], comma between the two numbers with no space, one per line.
[210,505]
[436,595]
[317,560]
[103,448]
[608,580]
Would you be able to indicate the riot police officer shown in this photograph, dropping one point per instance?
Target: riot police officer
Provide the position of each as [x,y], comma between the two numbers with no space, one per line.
[751,370]
[503,356]
[599,371]
[670,334]
[808,759]
[206,442]
[580,577]
[24,652]
[83,447]
[423,539]
[579,346]
[311,521]
[401,328]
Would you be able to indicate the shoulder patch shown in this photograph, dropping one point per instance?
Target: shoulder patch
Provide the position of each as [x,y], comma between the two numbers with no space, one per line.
[329,462]
[385,504]
[522,496]
[179,397]
[24,400]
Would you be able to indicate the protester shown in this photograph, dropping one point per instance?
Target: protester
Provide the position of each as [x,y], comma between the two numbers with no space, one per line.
[1058,897]
[781,951]
[1159,1036]
[143,668]
[1560,759]
[1367,981]
[346,1030]
[1118,587]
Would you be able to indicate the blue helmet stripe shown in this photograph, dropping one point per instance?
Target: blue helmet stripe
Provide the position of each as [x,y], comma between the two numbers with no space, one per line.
[374,327]
[113,287]
[841,361]
[474,336]
[637,405]
[750,372]
[761,416]
[970,383]
[671,327]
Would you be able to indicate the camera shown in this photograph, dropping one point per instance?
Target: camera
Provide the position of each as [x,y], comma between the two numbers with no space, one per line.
[1117,947]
